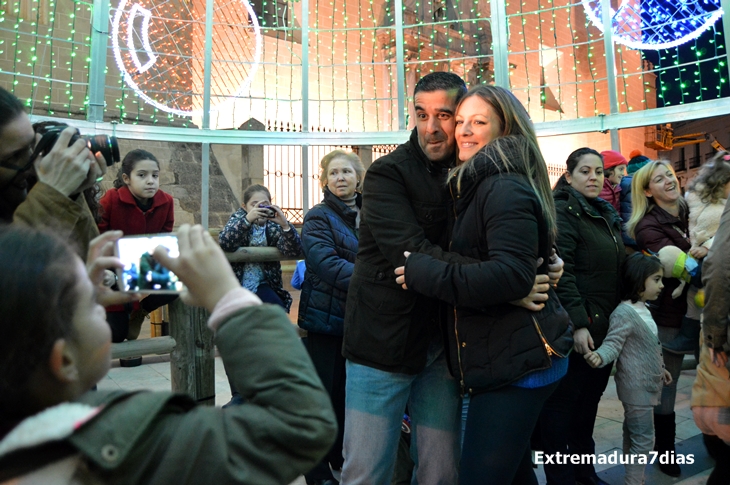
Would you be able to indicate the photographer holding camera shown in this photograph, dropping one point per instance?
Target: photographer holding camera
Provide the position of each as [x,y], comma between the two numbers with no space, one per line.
[45,190]
[259,223]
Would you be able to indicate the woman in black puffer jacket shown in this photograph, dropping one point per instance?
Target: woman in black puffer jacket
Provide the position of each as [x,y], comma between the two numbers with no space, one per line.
[589,241]
[329,237]
[508,358]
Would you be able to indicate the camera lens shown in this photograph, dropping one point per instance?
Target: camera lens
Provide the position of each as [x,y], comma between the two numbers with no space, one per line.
[105,144]
[51,130]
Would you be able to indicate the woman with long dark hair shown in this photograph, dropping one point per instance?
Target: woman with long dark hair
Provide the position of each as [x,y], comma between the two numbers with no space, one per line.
[589,241]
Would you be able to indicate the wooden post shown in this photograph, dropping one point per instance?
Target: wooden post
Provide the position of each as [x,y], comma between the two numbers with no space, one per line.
[192,362]
[156,323]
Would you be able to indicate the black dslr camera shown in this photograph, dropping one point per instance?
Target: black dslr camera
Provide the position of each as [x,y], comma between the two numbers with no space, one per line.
[50,131]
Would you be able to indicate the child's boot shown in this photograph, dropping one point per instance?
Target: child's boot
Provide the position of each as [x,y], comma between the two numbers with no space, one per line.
[688,339]
[665,431]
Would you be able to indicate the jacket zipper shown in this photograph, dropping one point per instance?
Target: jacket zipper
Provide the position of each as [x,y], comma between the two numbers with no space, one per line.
[615,242]
[548,348]
[453,207]
[456,318]
[458,352]
[610,231]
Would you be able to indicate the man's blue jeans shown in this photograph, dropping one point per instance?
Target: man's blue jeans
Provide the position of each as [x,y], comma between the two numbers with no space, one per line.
[374,406]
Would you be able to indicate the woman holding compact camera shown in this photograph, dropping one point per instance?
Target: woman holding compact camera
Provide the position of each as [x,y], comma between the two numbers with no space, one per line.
[258,223]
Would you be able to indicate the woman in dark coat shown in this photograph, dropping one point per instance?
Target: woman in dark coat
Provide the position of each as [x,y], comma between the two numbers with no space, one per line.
[590,243]
[660,218]
[329,237]
[508,358]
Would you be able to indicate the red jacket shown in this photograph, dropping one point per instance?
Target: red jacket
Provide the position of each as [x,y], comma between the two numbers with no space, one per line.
[120,212]
[610,194]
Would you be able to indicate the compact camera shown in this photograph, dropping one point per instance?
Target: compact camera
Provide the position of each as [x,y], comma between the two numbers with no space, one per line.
[270,213]
[50,131]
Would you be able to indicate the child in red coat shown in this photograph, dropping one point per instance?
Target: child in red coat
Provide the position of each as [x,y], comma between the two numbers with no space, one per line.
[136,205]
[614,169]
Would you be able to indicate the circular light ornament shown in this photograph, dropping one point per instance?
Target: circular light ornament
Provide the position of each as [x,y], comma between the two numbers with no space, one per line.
[656,24]
[160,50]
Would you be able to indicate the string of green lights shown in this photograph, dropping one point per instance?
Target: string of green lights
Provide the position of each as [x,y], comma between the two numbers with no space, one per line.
[557,64]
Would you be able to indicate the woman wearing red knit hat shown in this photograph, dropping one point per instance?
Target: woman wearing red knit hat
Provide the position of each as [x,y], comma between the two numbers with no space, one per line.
[614,169]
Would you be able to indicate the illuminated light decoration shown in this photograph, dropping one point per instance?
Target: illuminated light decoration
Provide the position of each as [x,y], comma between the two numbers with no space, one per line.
[167,82]
[657,24]
[146,16]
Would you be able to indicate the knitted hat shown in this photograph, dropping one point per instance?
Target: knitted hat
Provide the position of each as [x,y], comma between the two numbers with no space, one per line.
[636,163]
[634,154]
[612,159]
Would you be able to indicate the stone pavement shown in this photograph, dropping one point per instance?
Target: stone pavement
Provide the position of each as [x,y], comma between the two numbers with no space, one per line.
[154,374]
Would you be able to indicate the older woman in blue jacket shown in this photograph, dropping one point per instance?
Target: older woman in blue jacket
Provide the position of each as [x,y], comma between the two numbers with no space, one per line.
[329,237]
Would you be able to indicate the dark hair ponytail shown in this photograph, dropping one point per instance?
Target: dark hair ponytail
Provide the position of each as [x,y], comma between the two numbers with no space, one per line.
[575,157]
[129,162]
[572,162]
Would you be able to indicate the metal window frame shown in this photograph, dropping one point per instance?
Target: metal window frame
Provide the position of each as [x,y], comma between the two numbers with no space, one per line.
[611,122]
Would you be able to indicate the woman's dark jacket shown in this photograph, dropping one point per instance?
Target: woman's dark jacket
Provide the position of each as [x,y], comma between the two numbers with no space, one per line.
[498,221]
[590,244]
[237,234]
[329,238]
[657,229]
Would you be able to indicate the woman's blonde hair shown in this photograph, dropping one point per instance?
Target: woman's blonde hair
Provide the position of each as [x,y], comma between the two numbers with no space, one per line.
[640,203]
[350,157]
[515,123]
[709,183]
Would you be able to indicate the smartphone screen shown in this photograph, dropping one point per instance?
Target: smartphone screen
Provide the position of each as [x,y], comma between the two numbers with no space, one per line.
[141,272]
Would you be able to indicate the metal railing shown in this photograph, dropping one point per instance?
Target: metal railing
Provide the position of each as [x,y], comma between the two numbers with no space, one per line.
[284,171]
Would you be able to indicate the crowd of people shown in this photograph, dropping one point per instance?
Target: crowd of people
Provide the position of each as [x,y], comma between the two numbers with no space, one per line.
[452,272]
